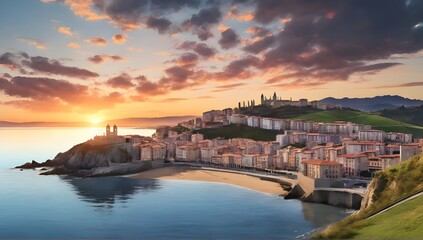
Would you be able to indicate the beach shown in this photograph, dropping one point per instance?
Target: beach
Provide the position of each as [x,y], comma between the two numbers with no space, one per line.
[198,174]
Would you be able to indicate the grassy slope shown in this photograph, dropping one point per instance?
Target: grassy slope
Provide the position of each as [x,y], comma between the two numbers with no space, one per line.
[412,115]
[239,131]
[389,186]
[377,122]
[403,221]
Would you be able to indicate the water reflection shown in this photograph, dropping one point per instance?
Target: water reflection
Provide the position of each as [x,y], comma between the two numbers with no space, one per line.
[319,215]
[105,192]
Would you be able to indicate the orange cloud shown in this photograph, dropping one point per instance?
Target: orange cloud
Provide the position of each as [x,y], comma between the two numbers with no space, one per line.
[120,38]
[73,45]
[242,17]
[97,41]
[34,42]
[82,8]
[134,49]
[163,53]
[222,28]
[65,30]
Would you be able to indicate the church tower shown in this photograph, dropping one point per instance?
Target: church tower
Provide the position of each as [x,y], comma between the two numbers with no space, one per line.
[115,132]
[108,130]
[262,99]
[274,96]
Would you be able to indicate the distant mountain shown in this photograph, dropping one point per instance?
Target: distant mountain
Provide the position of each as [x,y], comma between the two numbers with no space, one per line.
[124,122]
[375,103]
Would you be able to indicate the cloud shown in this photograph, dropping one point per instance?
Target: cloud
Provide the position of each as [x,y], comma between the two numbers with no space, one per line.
[134,49]
[201,22]
[162,25]
[228,87]
[6,75]
[97,59]
[234,13]
[122,81]
[119,38]
[229,39]
[163,53]
[408,84]
[65,30]
[52,66]
[9,60]
[46,94]
[200,48]
[98,41]
[187,58]
[260,45]
[34,42]
[73,45]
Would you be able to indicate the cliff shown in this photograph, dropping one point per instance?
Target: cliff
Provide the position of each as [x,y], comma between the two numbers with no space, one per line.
[89,159]
[387,188]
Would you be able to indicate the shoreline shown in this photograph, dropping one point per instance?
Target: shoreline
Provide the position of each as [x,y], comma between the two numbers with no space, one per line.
[215,175]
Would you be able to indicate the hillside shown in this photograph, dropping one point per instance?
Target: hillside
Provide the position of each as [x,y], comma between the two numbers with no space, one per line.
[239,131]
[376,121]
[373,104]
[281,112]
[412,115]
[403,221]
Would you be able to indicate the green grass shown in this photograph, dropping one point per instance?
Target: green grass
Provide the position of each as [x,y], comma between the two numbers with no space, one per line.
[403,221]
[389,186]
[239,131]
[376,121]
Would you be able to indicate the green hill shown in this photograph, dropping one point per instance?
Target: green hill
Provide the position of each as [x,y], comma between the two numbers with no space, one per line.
[239,131]
[376,121]
[412,115]
[403,221]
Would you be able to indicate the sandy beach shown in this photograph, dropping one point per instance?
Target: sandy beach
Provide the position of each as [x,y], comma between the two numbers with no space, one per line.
[196,174]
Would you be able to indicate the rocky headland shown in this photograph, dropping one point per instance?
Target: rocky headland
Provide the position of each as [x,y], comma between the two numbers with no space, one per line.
[90,159]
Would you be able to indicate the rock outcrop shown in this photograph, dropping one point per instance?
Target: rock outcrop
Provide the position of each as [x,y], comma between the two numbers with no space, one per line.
[89,159]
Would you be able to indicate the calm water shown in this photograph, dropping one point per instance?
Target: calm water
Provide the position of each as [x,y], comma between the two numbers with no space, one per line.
[33,206]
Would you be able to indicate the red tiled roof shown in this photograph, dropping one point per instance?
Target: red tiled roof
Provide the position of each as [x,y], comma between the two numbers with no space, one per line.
[321,162]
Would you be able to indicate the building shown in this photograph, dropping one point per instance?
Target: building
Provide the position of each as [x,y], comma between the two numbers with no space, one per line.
[409,150]
[317,168]
[371,135]
[353,164]
[187,153]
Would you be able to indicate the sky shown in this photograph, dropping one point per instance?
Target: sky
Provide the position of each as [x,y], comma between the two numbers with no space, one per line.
[88,60]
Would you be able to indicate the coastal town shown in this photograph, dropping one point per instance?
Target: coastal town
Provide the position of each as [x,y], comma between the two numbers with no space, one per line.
[313,149]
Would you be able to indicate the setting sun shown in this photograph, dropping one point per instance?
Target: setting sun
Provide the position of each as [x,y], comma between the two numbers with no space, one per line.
[95,121]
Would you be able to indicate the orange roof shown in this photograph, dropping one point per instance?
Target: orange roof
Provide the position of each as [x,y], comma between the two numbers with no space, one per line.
[352,155]
[321,162]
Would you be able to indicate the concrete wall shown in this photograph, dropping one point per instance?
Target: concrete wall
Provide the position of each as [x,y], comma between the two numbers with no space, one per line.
[338,199]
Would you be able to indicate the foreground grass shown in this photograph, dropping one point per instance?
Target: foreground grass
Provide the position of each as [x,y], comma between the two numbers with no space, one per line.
[404,221]
[239,131]
[376,121]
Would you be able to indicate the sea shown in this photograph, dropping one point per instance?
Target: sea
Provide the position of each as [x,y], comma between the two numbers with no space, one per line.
[61,207]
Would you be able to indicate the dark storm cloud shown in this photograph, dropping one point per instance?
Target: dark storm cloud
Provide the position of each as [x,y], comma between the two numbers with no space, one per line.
[200,48]
[229,39]
[160,24]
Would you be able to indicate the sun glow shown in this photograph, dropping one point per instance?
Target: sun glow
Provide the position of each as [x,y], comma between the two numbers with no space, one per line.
[95,121]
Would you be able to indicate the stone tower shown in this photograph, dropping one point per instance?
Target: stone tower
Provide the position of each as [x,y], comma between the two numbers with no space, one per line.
[262,99]
[274,96]
[115,130]
[108,130]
